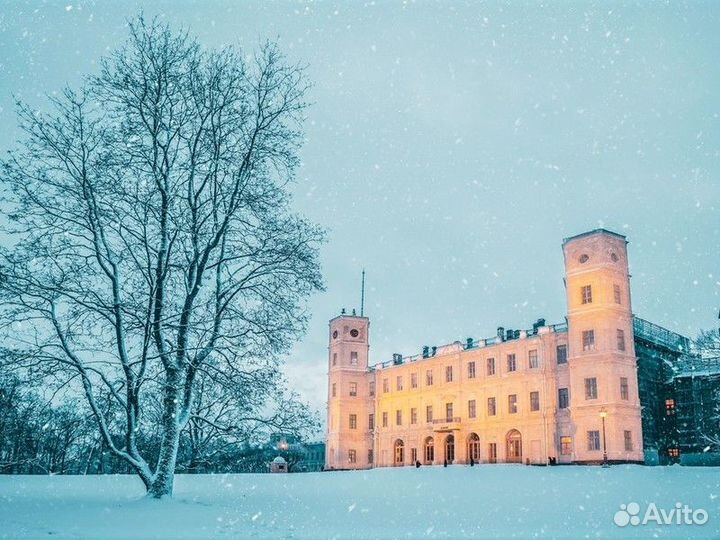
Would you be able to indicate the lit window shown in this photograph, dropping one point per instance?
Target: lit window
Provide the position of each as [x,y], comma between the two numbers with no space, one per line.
[586,294]
[616,294]
[413,380]
[353,389]
[563,398]
[353,358]
[511,365]
[385,419]
[491,366]
[352,456]
[398,417]
[413,415]
[386,386]
[534,401]
[429,413]
[533,359]
[471,409]
[492,409]
[624,390]
[512,404]
[565,445]
[588,340]
[591,388]
[669,407]
[628,440]
[353,421]
[448,374]
[593,440]
[399,383]
[674,452]
[620,340]
[429,377]
[561,354]
[471,370]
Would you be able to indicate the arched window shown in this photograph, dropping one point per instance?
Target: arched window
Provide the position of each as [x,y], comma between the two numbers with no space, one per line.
[450,448]
[399,452]
[429,450]
[473,447]
[514,446]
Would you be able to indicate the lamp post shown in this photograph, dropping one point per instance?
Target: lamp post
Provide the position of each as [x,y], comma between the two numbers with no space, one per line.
[603,415]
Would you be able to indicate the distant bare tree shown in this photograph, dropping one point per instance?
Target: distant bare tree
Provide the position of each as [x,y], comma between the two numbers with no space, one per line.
[152,240]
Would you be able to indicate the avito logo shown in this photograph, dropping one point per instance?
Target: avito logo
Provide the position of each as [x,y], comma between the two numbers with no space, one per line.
[680,514]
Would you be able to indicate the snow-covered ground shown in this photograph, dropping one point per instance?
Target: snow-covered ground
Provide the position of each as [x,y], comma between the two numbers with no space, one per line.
[490,501]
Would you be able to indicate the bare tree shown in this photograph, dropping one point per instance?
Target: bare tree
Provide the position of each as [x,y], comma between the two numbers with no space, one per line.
[152,235]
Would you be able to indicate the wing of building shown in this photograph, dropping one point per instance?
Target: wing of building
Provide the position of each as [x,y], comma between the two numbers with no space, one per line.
[601,386]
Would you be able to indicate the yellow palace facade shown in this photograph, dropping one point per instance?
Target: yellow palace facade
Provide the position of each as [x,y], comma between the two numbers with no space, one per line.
[566,391]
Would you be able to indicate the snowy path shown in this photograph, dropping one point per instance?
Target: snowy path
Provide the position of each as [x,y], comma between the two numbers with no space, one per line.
[501,501]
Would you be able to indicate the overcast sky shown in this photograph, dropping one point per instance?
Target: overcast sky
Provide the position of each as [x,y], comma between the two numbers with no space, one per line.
[451,147]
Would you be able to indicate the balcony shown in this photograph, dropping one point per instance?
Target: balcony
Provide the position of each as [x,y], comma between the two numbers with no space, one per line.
[445,425]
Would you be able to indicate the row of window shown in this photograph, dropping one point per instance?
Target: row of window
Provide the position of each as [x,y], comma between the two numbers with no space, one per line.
[586,296]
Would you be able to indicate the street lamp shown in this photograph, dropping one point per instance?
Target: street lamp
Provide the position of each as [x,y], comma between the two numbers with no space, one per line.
[603,415]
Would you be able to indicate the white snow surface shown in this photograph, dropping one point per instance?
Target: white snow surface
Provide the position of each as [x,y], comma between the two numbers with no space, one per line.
[486,501]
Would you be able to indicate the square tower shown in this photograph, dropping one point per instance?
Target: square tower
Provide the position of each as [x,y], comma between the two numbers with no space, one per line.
[350,395]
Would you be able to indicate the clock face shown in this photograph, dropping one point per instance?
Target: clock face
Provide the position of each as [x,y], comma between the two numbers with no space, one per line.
[354,333]
[335,334]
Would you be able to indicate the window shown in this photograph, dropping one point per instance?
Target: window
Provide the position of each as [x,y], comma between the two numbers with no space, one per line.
[353,358]
[385,419]
[586,294]
[398,417]
[334,389]
[512,404]
[371,388]
[448,411]
[563,398]
[534,401]
[593,440]
[492,409]
[492,452]
[532,359]
[353,421]
[352,456]
[386,386]
[588,340]
[674,452]
[565,446]
[471,409]
[413,454]
[334,359]
[669,407]
[353,389]
[428,377]
[624,393]
[616,294]
[429,450]
[628,440]
[448,374]
[371,421]
[511,365]
[471,370]
[620,340]
[413,415]
[428,413]
[399,383]
[413,380]
[491,366]
[370,456]
[591,388]
[561,354]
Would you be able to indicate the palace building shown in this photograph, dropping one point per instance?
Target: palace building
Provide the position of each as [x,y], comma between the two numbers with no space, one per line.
[565,391]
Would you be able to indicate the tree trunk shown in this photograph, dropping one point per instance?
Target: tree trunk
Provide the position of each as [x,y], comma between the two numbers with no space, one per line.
[164,477]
